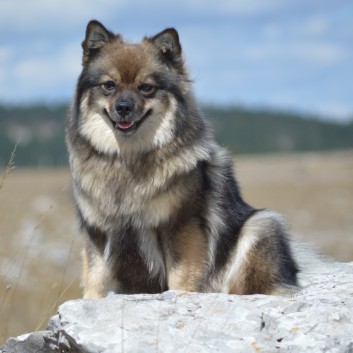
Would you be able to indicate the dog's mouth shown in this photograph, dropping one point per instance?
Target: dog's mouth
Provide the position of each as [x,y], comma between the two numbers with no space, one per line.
[126,126]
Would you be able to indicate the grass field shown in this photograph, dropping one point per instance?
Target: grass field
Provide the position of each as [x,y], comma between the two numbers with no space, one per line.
[40,245]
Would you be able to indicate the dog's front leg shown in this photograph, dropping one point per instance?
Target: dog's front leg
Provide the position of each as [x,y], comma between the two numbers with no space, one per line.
[96,275]
[187,259]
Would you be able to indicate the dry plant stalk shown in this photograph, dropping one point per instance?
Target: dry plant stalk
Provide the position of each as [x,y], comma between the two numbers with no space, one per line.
[9,167]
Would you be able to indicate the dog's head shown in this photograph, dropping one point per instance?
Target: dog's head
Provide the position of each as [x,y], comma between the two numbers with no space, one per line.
[128,94]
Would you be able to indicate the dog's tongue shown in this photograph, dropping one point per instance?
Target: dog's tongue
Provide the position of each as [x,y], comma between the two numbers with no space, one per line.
[125,124]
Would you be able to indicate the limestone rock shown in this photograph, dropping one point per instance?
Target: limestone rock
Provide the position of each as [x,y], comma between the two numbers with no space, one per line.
[318,318]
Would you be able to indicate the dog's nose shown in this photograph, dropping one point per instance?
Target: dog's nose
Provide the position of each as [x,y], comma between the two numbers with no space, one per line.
[124,108]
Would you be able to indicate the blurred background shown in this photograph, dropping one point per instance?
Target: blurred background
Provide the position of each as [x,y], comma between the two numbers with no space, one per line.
[275,78]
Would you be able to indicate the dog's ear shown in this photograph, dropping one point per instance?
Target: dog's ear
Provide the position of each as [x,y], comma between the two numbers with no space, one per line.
[168,43]
[96,37]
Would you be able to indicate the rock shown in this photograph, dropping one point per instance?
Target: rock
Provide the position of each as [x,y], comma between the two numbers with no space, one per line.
[30,342]
[318,318]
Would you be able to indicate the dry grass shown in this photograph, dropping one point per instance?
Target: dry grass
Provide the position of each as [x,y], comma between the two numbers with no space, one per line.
[314,191]
[39,253]
[39,256]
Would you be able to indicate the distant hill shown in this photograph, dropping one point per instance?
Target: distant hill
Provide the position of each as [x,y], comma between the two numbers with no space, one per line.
[39,132]
[261,131]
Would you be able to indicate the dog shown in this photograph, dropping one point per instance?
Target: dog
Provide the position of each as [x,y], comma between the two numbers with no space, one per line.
[156,196]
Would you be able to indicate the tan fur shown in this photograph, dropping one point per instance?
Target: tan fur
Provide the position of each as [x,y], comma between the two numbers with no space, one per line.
[256,274]
[251,269]
[96,279]
[188,274]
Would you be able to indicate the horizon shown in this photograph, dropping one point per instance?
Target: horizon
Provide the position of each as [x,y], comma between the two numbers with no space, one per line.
[287,112]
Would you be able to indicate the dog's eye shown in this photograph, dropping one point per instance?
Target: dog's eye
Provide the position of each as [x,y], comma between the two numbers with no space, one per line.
[109,85]
[146,88]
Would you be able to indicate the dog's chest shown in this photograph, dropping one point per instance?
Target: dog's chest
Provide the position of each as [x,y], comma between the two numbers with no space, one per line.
[105,195]
[129,208]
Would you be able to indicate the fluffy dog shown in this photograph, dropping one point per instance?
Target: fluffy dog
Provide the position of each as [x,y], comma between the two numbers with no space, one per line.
[157,198]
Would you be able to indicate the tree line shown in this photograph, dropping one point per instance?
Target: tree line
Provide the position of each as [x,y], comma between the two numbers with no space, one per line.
[39,132]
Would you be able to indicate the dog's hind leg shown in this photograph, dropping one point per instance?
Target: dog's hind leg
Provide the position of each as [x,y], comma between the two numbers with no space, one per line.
[261,261]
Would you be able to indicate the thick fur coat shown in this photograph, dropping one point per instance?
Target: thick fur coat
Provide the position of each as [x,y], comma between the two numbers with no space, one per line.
[157,198]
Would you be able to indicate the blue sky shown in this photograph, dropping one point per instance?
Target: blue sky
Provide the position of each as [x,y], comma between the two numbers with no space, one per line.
[281,54]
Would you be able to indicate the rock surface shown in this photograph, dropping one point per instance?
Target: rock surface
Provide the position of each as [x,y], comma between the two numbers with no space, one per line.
[319,318]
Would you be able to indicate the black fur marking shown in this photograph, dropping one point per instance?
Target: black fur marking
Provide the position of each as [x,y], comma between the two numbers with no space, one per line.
[95,235]
[288,269]
[235,211]
[128,264]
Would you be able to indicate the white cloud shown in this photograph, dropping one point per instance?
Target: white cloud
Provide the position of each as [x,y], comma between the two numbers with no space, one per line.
[60,15]
[37,77]
[5,54]
[316,25]
[64,15]
[230,7]
[301,52]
